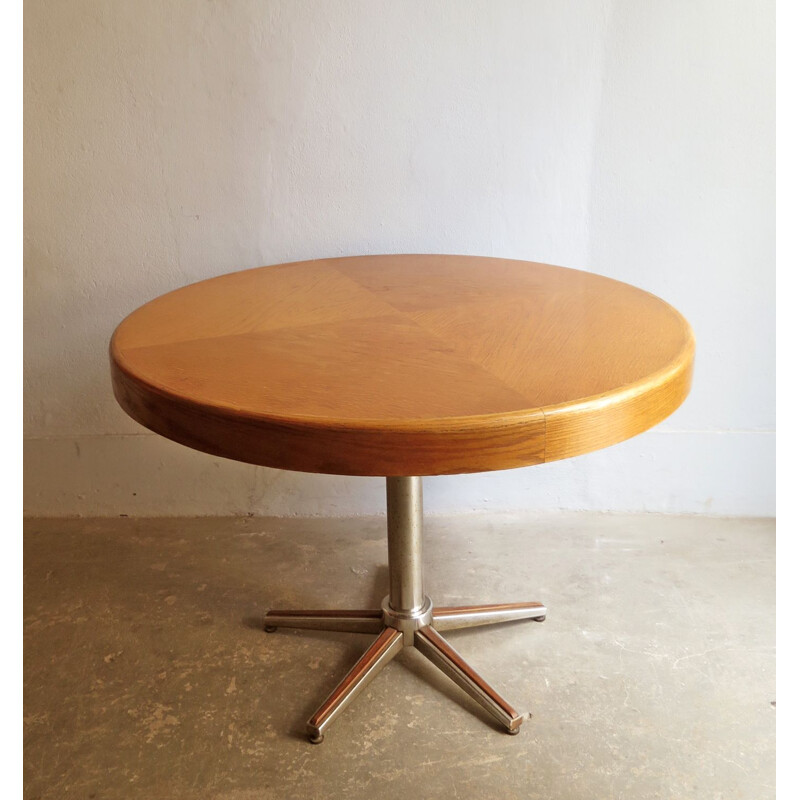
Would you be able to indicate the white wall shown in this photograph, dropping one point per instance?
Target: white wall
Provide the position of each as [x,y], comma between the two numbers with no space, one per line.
[169,141]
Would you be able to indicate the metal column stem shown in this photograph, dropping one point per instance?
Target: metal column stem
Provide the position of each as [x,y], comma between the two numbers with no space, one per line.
[404,525]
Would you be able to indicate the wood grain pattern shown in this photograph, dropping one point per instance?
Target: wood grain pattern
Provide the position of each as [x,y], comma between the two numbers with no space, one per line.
[402,365]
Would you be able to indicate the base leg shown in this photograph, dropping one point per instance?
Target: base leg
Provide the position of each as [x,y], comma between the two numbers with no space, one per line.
[453,617]
[435,648]
[369,621]
[388,644]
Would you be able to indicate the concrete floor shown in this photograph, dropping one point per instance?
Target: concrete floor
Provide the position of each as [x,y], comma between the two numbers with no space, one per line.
[147,673]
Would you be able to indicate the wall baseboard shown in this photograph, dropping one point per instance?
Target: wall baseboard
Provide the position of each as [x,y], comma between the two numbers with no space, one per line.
[672,472]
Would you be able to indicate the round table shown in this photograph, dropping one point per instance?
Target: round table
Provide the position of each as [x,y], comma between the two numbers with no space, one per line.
[403,366]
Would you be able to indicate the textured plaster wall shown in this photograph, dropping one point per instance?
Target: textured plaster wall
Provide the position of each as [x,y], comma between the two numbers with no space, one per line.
[171,141]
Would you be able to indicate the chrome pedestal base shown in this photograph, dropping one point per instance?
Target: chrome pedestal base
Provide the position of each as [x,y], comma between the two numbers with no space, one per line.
[407,618]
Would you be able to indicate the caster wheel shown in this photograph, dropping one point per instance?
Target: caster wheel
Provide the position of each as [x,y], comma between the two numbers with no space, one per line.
[539,619]
[316,738]
[270,628]
[514,732]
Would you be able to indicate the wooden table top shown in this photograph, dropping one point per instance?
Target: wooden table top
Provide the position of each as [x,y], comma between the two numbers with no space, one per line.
[402,365]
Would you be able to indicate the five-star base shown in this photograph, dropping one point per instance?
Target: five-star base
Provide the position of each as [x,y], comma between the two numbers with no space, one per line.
[407,618]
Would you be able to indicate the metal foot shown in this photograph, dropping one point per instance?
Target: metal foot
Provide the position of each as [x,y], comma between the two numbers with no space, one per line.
[453,617]
[369,621]
[388,644]
[435,648]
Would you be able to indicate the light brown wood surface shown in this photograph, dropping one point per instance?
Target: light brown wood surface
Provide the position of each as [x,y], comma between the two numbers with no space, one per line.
[402,365]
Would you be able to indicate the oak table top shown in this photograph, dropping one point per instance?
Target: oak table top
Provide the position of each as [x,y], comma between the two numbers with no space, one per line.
[402,364]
